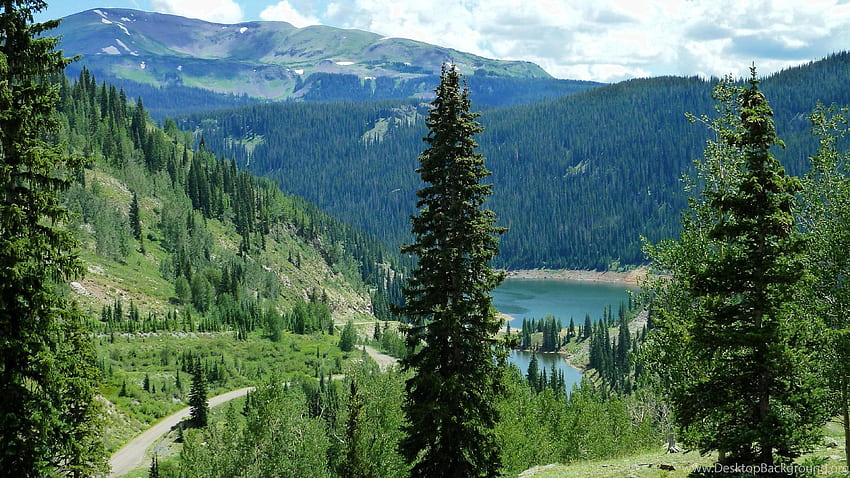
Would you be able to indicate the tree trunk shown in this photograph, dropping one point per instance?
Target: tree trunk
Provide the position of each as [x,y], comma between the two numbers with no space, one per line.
[671,444]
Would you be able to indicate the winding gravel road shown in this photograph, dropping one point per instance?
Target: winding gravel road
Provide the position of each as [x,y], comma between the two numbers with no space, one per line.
[131,455]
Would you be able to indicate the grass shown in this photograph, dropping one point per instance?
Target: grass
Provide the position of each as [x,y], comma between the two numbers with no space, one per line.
[828,457]
[645,465]
[126,359]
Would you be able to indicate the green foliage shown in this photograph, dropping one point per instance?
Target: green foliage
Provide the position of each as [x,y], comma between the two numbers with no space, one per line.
[825,218]
[450,397]
[549,329]
[348,337]
[153,471]
[278,438]
[371,420]
[48,415]
[228,364]
[225,240]
[198,397]
[731,345]
[393,342]
[544,428]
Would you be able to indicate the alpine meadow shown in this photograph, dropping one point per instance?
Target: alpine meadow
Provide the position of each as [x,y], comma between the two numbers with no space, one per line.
[262,250]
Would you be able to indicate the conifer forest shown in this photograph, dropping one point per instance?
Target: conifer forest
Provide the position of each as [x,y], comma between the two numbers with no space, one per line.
[304,287]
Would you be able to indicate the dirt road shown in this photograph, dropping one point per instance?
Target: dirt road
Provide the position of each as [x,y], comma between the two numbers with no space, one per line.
[131,455]
[383,360]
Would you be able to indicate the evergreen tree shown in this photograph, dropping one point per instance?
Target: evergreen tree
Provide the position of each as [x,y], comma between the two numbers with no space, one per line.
[45,377]
[135,223]
[348,338]
[198,396]
[733,349]
[153,471]
[354,465]
[533,373]
[450,397]
[587,329]
[376,335]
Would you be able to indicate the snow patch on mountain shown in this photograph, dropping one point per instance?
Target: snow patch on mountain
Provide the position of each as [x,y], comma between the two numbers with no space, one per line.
[110,50]
[105,21]
[345,63]
[243,29]
[125,47]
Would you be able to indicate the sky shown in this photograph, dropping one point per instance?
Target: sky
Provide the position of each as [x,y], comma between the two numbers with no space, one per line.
[598,40]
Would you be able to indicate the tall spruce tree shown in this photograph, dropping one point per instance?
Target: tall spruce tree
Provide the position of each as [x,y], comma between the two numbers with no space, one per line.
[450,397]
[48,423]
[199,410]
[734,351]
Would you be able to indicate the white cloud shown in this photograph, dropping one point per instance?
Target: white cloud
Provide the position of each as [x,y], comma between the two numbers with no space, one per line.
[218,11]
[602,40]
[611,40]
[285,12]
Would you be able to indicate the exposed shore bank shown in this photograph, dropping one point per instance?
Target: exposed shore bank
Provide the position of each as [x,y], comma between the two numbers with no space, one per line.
[632,278]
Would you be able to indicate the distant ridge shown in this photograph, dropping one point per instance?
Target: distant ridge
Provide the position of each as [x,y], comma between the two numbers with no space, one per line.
[274,60]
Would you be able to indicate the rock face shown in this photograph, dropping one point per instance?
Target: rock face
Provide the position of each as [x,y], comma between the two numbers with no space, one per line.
[79,288]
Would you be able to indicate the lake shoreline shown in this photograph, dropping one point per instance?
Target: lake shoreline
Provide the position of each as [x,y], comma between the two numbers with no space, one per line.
[632,278]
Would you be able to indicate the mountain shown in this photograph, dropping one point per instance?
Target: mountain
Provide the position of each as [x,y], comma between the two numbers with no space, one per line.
[578,180]
[167,228]
[276,61]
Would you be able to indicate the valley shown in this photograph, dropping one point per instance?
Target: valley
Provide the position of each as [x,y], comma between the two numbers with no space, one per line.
[253,249]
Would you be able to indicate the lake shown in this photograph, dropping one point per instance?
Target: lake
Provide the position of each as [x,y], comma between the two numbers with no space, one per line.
[547,361]
[535,298]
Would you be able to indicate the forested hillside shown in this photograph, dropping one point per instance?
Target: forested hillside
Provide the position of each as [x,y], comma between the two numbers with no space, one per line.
[578,180]
[240,283]
[162,223]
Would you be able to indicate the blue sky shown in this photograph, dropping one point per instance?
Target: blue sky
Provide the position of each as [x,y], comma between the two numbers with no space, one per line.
[601,40]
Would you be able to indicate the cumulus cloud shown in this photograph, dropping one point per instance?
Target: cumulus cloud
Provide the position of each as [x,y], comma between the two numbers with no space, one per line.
[285,12]
[608,40]
[219,11]
[601,40]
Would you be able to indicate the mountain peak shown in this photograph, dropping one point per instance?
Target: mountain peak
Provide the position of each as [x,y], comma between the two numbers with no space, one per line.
[259,58]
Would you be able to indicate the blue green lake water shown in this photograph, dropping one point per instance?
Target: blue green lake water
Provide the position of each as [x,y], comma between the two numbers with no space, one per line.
[536,298]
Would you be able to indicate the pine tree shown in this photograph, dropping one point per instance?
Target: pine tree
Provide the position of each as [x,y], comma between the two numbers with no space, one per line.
[587,329]
[45,377]
[348,338]
[450,397]
[732,347]
[153,471]
[532,375]
[355,465]
[198,396]
[135,222]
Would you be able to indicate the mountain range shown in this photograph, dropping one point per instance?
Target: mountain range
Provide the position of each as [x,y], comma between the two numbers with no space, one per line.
[578,179]
[277,61]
